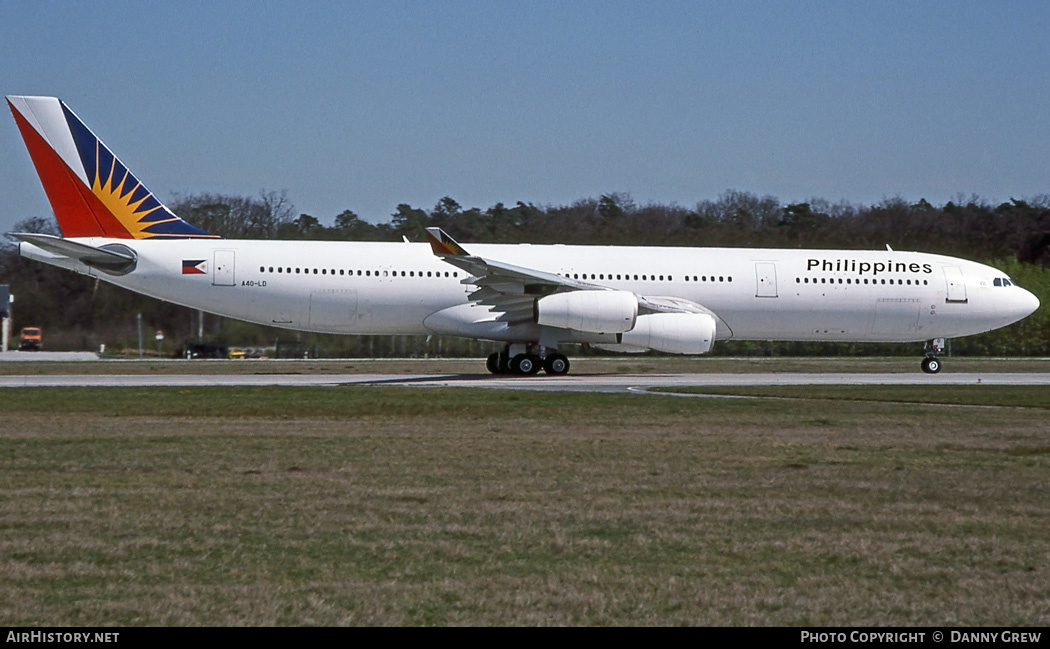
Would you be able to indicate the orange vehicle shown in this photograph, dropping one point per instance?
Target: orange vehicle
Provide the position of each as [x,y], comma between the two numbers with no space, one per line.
[32,340]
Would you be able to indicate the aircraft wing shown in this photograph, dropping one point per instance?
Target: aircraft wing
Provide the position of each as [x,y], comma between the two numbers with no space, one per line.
[512,290]
[101,258]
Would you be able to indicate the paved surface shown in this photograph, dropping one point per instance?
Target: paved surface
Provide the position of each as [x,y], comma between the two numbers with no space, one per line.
[15,355]
[582,383]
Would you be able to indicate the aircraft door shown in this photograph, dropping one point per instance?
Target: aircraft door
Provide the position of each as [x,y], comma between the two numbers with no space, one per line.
[222,274]
[956,286]
[766,278]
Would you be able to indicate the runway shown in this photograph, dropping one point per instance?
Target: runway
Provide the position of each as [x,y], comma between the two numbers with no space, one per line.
[578,383]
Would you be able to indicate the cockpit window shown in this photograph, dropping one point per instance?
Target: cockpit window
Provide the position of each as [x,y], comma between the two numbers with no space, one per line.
[997,281]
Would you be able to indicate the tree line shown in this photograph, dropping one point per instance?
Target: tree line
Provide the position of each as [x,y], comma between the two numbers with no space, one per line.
[80,313]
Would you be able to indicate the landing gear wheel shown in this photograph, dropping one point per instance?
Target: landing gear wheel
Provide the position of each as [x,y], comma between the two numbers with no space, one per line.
[525,364]
[931,365]
[556,365]
[492,363]
[537,364]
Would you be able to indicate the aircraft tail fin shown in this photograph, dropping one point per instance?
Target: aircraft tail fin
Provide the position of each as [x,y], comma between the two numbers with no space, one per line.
[92,193]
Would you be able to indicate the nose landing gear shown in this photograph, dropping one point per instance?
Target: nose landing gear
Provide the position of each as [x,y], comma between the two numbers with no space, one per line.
[931,364]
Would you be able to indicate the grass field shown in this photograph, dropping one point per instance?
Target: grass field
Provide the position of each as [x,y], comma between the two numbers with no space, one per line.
[333,506]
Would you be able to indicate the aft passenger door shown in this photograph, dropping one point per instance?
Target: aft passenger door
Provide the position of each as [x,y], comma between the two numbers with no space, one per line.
[223,269]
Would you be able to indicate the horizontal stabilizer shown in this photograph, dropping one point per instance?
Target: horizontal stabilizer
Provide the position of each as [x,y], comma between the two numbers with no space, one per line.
[111,259]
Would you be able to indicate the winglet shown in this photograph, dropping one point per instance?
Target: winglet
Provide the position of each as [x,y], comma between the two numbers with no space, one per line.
[444,245]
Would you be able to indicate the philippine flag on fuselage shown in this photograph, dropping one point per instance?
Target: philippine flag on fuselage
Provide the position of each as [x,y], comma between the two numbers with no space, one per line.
[194,266]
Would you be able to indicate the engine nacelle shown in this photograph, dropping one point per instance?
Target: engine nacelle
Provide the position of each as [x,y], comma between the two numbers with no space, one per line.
[591,311]
[674,333]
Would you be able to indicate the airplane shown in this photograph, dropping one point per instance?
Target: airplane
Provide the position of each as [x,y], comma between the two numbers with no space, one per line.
[533,299]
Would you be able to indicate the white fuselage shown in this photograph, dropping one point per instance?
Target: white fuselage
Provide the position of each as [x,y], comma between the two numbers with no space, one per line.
[756,294]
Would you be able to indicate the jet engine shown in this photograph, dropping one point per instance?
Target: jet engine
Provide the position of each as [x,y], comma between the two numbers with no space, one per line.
[590,311]
[674,333]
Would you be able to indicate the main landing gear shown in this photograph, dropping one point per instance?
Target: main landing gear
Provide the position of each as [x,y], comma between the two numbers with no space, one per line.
[931,364]
[527,364]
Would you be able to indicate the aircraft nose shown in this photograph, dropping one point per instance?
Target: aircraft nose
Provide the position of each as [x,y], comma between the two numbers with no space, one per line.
[1027,303]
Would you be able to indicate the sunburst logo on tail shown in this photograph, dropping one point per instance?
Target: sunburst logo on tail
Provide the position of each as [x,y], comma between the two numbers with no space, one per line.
[127,199]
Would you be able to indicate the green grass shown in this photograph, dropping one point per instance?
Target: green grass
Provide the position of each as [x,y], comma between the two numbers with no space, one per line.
[351,505]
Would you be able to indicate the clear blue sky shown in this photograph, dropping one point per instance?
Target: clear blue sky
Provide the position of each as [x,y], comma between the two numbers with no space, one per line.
[364,105]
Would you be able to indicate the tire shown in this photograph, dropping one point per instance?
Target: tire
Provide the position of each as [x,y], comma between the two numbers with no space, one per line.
[492,363]
[524,364]
[931,365]
[537,364]
[556,365]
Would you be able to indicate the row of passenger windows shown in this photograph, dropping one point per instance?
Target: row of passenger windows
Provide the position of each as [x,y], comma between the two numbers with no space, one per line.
[848,280]
[412,273]
[359,273]
[651,278]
